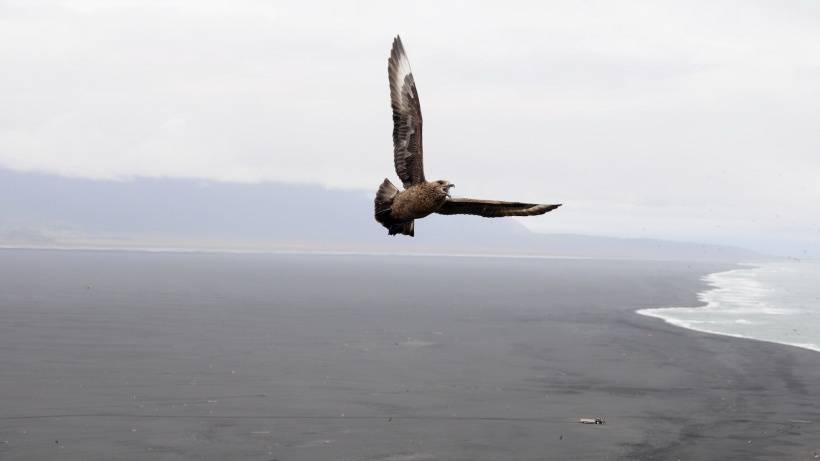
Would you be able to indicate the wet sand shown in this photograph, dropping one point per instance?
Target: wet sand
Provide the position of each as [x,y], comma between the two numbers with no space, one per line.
[116,355]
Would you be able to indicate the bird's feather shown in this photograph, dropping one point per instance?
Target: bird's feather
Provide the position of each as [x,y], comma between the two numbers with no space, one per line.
[404,100]
[493,208]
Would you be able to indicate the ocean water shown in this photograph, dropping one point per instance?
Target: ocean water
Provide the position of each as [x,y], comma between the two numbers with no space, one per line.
[775,302]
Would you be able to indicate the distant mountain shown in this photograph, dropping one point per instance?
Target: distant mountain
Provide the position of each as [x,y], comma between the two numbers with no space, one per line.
[48,211]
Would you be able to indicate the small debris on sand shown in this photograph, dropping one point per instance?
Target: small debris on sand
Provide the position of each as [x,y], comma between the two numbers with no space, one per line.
[592,420]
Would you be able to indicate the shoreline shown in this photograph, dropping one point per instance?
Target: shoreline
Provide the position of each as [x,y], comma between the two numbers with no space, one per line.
[806,346]
[666,314]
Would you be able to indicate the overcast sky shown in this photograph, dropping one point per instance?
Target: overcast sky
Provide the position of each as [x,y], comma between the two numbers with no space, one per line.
[684,120]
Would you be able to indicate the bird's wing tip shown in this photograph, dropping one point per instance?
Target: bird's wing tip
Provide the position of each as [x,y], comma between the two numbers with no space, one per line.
[547,208]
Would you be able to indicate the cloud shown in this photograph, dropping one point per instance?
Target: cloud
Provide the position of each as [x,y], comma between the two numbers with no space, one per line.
[646,118]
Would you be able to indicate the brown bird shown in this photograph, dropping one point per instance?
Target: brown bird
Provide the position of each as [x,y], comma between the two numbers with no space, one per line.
[396,210]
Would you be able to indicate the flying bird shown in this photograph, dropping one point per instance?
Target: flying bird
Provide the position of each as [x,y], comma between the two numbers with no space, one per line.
[397,210]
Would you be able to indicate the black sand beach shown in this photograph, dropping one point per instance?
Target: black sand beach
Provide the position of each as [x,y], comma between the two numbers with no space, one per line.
[117,355]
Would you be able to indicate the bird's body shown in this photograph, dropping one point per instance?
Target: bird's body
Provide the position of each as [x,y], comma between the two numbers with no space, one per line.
[418,201]
[397,210]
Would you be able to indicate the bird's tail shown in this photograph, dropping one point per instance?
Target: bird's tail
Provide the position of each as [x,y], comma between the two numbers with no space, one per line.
[383,207]
[405,228]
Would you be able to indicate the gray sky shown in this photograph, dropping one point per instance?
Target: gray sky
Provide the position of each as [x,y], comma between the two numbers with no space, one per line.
[684,120]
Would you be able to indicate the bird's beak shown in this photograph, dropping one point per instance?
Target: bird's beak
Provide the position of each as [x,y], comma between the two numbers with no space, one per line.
[449,186]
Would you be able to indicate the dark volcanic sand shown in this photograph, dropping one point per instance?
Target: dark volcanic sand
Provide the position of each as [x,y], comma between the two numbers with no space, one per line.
[113,355]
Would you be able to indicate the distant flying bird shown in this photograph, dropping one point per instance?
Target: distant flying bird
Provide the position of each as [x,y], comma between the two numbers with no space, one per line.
[396,210]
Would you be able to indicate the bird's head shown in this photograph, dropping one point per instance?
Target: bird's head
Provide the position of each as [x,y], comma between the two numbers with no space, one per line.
[444,186]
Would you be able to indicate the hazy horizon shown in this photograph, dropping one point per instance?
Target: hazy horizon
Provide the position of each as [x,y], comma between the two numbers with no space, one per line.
[45,211]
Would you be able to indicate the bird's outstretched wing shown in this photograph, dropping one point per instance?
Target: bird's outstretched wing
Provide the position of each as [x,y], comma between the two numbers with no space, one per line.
[493,208]
[404,99]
